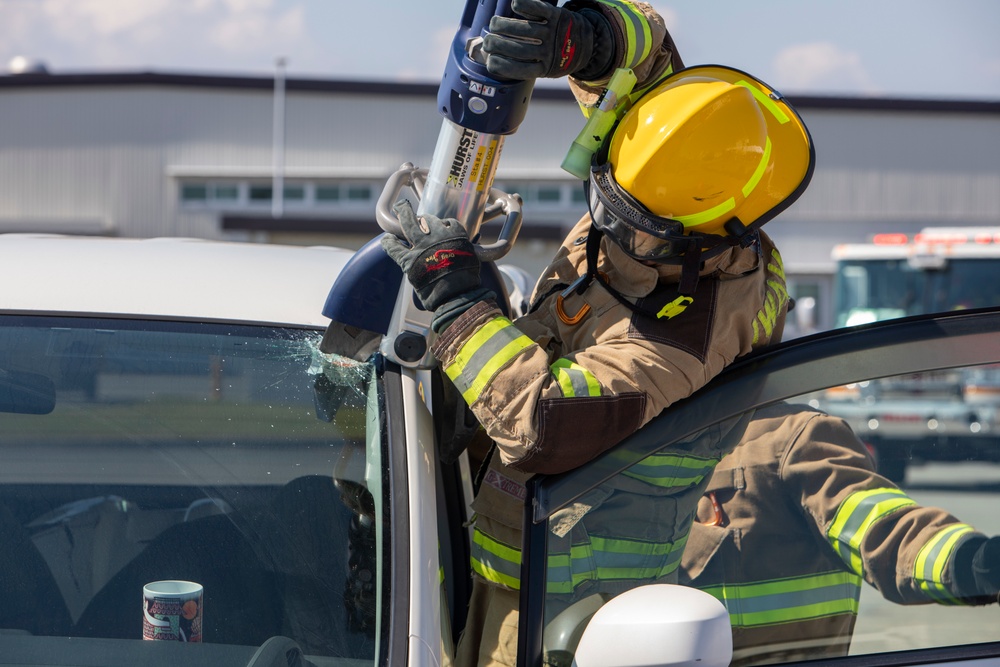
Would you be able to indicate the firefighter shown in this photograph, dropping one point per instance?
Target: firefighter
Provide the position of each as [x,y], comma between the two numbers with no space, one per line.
[647,299]
[795,518]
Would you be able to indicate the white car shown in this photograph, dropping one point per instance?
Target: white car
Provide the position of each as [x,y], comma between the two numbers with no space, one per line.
[215,412]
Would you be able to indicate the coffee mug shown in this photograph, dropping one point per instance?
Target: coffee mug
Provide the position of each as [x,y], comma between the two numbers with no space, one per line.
[172,611]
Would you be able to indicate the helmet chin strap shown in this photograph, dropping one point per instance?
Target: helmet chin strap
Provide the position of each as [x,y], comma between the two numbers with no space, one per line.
[690,268]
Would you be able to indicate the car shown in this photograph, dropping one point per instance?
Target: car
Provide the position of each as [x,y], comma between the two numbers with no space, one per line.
[266,421]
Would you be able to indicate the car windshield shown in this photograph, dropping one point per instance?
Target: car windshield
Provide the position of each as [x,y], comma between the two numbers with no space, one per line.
[236,457]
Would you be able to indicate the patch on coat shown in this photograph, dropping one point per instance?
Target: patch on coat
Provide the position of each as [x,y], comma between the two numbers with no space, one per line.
[505,485]
[690,330]
[572,431]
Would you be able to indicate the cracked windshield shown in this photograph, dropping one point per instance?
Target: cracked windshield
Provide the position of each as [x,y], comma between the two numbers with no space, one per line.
[239,461]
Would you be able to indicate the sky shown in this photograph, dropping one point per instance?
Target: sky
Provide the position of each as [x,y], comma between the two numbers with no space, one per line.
[922,49]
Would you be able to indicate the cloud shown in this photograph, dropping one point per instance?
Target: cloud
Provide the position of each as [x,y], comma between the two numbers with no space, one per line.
[429,65]
[670,19]
[102,18]
[821,67]
[244,31]
[163,34]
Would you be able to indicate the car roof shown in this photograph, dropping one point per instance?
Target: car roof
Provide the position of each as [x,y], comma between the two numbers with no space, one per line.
[168,278]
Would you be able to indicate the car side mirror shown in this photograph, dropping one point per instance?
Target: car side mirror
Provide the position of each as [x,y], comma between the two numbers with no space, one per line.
[658,624]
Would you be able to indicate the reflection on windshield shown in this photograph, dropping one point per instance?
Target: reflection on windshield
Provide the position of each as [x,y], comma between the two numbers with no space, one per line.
[817,544]
[240,458]
[874,290]
[800,533]
[626,532]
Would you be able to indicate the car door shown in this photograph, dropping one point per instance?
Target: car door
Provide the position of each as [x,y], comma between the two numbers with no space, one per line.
[802,373]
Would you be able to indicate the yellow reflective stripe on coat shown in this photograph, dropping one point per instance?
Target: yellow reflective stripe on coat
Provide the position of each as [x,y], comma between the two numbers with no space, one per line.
[575,380]
[929,567]
[483,355]
[611,559]
[671,470]
[855,517]
[638,35]
[495,561]
[599,559]
[789,600]
[775,300]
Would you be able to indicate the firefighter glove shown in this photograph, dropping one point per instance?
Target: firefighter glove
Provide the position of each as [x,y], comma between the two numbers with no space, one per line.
[549,42]
[976,570]
[440,261]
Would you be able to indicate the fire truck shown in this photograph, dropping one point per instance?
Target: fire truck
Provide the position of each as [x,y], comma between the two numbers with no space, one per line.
[936,416]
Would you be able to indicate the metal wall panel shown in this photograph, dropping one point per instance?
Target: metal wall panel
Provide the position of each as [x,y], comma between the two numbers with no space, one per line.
[109,159]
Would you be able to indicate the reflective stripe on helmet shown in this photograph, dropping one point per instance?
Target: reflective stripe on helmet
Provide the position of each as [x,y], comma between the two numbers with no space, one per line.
[598,559]
[575,380]
[856,515]
[929,566]
[765,101]
[638,35]
[695,219]
[789,600]
[484,354]
[759,171]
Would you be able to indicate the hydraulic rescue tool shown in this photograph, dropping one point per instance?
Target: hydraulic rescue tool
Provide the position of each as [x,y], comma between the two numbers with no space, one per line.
[479,112]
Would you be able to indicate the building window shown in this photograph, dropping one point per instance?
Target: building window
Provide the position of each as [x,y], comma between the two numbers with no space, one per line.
[224,192]
[194,192]
[545,194]
[210,193]
[327,193]
[302,195]
[549,194]
[359,192]
[260,193]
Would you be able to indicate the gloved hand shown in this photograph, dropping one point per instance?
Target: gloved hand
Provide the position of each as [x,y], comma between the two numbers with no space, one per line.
[441,263]
[549,42]
[977,569]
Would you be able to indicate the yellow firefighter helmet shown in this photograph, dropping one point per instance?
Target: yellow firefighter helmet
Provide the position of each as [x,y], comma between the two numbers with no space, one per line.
[710,152]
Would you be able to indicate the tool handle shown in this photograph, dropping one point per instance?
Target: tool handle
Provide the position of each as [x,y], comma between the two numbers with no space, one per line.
[498,203]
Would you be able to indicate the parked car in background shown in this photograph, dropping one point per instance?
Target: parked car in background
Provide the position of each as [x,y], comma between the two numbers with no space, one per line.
[180,409]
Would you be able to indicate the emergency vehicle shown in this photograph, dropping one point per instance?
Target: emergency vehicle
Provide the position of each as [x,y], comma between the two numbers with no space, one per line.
[935,416]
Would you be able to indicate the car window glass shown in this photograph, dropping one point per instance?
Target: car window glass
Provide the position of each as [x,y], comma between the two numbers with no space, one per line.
[934,435]
[237,457]
[628,531]
[829,531]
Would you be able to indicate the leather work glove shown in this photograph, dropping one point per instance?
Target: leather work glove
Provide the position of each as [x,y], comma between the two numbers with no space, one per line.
[440,263]
[549,42]
[976,570]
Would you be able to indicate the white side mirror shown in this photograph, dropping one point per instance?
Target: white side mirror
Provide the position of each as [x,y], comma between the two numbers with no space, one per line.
[658,625]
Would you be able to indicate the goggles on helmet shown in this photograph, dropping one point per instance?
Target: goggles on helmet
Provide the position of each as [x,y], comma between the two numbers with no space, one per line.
[640,233]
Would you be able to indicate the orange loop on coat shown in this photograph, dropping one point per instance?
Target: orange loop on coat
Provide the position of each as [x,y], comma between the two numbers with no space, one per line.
[567,319]
[580,314]
[719,517]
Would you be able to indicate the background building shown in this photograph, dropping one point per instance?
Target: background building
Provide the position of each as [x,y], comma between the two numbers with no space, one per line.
[158,154]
